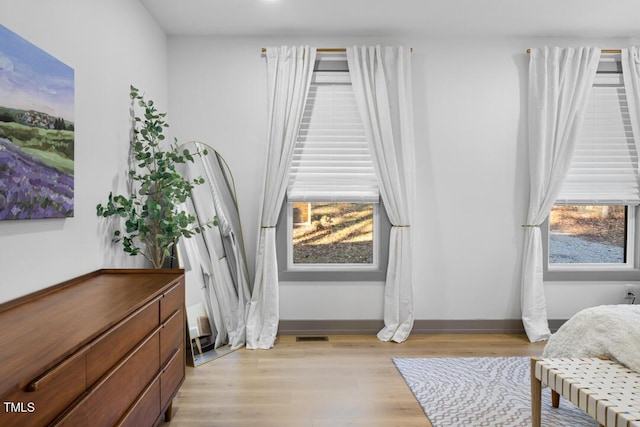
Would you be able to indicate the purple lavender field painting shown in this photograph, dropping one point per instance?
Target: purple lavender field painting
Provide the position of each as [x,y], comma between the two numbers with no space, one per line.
[36,132]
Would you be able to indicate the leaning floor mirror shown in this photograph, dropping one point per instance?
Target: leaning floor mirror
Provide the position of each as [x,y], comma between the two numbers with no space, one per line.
[215,259]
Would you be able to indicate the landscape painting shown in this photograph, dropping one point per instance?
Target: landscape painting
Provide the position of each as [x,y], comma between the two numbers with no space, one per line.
[36,132]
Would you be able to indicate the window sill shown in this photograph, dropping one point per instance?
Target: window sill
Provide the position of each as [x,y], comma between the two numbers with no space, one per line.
[612,268]
[331,268]
[591,274]
[329,274]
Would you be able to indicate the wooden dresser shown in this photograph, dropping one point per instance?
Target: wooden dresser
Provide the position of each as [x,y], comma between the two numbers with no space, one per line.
[103,349]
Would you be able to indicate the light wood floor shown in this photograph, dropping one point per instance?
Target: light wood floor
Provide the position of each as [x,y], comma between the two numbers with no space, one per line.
[348,381]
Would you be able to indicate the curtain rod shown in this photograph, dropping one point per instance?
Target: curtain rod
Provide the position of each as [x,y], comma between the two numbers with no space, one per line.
[328,49]
[601,51]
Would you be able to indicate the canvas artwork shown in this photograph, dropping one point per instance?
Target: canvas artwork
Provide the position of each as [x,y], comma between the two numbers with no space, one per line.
[36,132]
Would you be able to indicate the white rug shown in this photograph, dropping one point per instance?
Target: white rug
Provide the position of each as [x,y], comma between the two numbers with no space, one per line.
[482,391]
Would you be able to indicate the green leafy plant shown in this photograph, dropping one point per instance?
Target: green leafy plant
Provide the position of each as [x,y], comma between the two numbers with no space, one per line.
[152,218]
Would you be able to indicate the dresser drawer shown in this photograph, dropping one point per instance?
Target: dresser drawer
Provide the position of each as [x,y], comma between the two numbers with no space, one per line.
[145,409]
[56,389]
[117,342]
[172,300]
[171,377]
[171,335]
[108,400]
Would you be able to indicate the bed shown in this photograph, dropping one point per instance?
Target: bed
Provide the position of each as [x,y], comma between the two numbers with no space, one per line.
[606,331]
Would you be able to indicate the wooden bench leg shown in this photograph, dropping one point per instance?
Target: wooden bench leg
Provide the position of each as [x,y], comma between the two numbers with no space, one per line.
[536,396]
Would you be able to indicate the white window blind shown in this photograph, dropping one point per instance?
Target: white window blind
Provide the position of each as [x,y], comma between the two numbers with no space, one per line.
[604,168]
[331,161]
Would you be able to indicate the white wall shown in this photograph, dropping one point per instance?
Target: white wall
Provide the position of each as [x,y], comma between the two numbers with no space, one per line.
[470,104]
[110,44]
[470,111]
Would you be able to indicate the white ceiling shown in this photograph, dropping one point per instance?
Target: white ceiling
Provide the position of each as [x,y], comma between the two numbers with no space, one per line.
[567,18]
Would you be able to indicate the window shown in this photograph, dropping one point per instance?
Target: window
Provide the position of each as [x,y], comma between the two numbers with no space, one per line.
[588,234]
[592,228]
[332,210]
[342,272]
[329,234]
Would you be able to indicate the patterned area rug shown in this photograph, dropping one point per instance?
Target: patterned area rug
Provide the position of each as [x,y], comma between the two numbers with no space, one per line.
[482,391]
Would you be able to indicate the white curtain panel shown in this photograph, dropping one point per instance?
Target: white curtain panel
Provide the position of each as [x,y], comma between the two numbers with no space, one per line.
[289,72]
[631,74]
[381,78]
[560,81]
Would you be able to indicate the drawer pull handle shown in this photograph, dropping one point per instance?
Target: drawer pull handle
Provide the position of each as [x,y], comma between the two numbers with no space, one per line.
[174,354]
[170,318]
[44,378]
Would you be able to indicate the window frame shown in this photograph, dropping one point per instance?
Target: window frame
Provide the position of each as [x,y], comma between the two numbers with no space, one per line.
[332,272]
[329,67]
[596,271]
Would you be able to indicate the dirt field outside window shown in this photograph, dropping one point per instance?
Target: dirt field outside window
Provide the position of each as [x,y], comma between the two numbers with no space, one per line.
[587,234]
[333,233]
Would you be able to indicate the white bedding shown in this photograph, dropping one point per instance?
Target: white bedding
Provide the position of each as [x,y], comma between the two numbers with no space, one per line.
[611,331]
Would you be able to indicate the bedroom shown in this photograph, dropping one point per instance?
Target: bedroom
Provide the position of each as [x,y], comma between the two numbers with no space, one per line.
[469,81]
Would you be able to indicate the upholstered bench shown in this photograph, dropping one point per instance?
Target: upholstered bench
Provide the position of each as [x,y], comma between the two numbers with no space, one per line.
[604,389]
